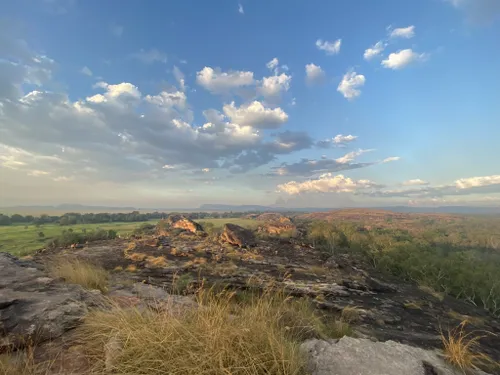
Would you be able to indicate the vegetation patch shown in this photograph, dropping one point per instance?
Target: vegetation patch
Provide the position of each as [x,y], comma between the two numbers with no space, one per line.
[77,271]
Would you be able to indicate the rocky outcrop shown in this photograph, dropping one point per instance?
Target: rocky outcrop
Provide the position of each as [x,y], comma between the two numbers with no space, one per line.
[275,223]
[349,356]
[179,222]
[34,307]
[236,235]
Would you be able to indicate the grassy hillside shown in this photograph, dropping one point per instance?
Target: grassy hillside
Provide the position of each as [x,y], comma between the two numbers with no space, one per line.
[22,240]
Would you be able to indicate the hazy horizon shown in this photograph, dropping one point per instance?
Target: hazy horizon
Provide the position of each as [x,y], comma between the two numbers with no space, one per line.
[309,104]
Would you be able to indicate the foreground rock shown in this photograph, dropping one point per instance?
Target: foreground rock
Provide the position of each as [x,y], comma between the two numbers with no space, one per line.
[180,222]
[239,236]
[349,356]
[34,307]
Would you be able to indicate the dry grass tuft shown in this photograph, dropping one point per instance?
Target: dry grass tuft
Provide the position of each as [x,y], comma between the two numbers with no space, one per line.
[260,336]
[318,270]
[432,292]
[131,268]
[351,314]
[412,305]
[474,320]
[462,349]
[76,271]
[136,257]
[157,262]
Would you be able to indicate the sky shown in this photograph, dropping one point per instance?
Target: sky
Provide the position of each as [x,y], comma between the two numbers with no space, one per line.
[348,103]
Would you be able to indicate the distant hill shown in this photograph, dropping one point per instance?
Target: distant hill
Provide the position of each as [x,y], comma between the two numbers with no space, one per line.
[402,209]
[69,207]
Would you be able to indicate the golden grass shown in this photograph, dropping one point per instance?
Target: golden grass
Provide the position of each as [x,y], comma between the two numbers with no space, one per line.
[77,271]
[351,314]
[261,336]
[477,321]
[131,268]
[136,257]
[462,349]
[156,262]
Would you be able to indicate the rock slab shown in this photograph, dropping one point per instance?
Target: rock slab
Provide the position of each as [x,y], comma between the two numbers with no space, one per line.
[239,236]
[351,356]
[34,307]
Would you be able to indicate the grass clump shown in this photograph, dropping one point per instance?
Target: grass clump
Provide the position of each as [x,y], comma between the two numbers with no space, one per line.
[462,349]
[222,336]
[77,271]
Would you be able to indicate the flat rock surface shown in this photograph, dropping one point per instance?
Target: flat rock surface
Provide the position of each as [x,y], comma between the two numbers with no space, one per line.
[36,307]
[350,356]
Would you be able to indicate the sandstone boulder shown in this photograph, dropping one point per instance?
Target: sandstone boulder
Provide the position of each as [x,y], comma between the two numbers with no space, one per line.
[34,307]
[349,356]
[180,222]
[236,235]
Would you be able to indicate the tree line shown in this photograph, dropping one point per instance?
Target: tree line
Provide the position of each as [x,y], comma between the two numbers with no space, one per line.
[73,218]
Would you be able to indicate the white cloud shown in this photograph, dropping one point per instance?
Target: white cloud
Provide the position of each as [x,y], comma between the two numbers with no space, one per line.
[331,48]
[223,82]
[326,183]
[472,182]
[391,158]
[168,167]
[205,170]
[350,156]
[351,84]
[85,70]
[374,50]
[403,32]
[401,59]
[415,182]
[240,9]
[167,100]
[256,115]
[274,85]
[116,30]
[273,64]
[179,76]
[115,92]
[150,56]
[314,74]
[339,138]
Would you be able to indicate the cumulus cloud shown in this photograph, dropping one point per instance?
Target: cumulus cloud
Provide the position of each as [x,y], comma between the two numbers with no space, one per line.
[326,183]
[374,50]
[338,141]
[403,32]
[273,64]
[150,56]
[240,9]
[460,187]
[415,182]
[402,58]
[314,74]
[350,85]
[218,82]
[330,48]
[472,182]
[256,115]
[273,86]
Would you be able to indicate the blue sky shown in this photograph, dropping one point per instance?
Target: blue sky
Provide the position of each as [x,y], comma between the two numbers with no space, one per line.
[309,103]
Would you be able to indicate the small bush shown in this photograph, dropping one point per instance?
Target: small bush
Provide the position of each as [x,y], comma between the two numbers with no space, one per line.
[146,229]
[80,272]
